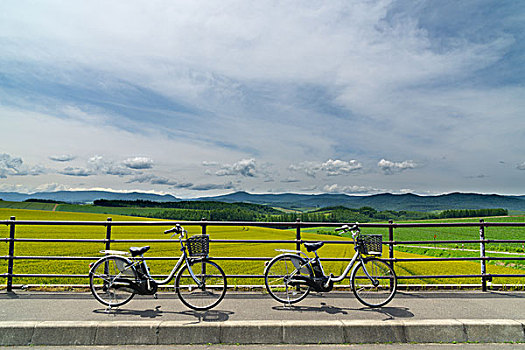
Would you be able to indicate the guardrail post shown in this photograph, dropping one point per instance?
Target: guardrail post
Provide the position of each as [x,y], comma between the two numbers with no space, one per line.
[11,260]
[482,255]
[391,245]
[203,226]
[203,231]
[108,234]
[391,239]
[298,235]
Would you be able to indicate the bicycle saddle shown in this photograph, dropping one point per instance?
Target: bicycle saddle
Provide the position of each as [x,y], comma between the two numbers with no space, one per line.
[138,250]
[312,247]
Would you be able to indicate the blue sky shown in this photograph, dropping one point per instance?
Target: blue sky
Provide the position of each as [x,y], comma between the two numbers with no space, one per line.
[198,98]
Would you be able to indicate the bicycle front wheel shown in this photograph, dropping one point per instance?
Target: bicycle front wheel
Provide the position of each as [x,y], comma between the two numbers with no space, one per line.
[378,287]
[107,280]
[279,278]
[212,290]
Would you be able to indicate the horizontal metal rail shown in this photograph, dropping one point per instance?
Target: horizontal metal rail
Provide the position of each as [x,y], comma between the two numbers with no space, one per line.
[106,242]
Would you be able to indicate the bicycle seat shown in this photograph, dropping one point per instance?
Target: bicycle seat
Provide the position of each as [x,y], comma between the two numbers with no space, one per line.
[312,247]
[138,250]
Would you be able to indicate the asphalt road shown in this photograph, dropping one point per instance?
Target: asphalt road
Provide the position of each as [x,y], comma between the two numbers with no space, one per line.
[70,319]
[253,306]
[460,346]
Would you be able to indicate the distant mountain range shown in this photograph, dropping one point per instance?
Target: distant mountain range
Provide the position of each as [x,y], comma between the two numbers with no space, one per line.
[86,196]
[385,201]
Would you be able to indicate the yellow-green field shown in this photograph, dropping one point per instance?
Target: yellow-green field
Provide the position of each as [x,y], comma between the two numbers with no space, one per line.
[172,249]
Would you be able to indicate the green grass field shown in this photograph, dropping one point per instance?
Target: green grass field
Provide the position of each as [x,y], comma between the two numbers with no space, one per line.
[230,249]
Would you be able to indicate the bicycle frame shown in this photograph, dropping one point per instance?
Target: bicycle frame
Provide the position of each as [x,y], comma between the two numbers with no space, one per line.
[291,275]
[183,258]
[309,261]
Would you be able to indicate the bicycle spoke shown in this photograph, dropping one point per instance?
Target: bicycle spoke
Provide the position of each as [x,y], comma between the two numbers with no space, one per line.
[207,291]
[277,276]
[102,278]
[374,283]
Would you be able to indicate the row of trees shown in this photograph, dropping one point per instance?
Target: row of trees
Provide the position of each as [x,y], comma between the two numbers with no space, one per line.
[333,214]
[193,205]
[471,213]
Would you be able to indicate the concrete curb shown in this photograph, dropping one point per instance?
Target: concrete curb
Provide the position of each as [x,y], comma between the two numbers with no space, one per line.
[259,332]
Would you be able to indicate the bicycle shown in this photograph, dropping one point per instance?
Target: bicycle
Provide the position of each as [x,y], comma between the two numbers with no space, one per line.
[200,283]
[290,276]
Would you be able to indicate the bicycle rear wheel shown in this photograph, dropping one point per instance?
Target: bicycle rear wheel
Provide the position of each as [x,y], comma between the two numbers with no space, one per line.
[107,280]
[213,288]
[279,282]
[376,292]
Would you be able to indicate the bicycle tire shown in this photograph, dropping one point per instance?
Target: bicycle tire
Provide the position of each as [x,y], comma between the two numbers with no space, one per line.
[207,296]
[277,274]
[363,288]
[102,276]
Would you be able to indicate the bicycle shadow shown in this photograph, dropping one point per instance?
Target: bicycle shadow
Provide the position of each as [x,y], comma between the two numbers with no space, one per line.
[208,316]
[200,316]
[390,312]
[329,309]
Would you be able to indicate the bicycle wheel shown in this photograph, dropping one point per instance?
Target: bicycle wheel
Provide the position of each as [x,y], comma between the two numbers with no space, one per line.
[278,278]
[105,279]
[213,287]
[378,292]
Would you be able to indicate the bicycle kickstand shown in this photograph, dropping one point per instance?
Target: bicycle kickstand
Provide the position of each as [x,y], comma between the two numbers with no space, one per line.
[110,308]
[287,305]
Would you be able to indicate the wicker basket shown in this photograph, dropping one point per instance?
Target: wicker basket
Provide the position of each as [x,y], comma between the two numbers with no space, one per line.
[372,244]
[198,245]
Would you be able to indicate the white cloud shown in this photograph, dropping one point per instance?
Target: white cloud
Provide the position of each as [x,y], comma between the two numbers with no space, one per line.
[290,180]
[98,165]
[209,163]
[390,167]
[209,187]
[340,167]
[335,188]
[14,166]
[244,167]
[75,171]
[103,166]
[331,167]
[62,158]
[138,163]
[309,168]
[152,179]
[9,165]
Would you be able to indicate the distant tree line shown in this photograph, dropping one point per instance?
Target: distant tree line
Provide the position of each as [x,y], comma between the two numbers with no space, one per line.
[228,214]
[220,211]
[38,200]
[469,213]
[367,214]
[228,209]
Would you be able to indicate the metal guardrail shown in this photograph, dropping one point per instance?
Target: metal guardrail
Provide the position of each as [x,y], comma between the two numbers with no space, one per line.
[298,225]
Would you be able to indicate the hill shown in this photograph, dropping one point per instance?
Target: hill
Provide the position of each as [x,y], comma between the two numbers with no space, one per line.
[86,196]
[302,202]
[384,201]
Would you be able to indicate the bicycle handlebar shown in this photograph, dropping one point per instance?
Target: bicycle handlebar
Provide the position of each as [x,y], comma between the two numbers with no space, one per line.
[346,228]
[178,229]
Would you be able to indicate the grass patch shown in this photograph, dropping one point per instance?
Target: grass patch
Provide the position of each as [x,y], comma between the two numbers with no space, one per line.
[218,249]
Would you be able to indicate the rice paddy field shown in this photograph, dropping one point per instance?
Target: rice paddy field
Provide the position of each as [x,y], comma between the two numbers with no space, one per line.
[232,268]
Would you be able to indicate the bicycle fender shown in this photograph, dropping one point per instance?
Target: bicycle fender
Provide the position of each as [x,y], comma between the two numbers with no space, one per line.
[112,256]
[303,260]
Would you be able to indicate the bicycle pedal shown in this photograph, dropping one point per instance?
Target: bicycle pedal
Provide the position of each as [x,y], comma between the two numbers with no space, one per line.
[327,283]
